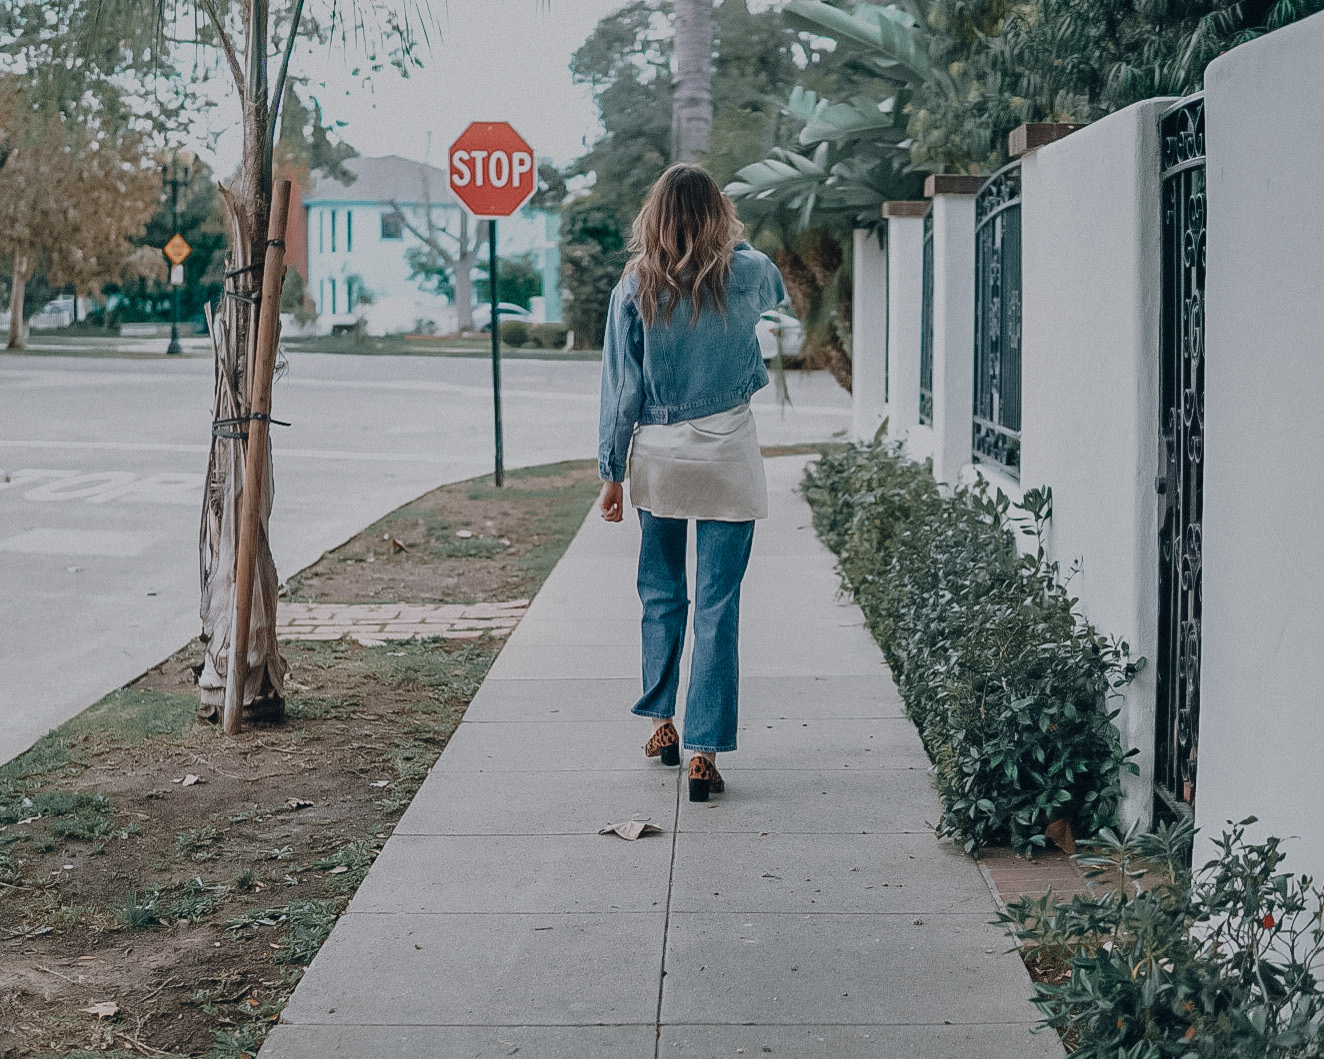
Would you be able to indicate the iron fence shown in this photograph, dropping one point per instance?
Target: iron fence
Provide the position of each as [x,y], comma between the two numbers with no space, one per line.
[997,405]
[1180,480]
[926,327]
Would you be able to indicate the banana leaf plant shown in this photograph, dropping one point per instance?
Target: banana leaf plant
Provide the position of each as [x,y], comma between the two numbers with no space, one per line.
[856,151]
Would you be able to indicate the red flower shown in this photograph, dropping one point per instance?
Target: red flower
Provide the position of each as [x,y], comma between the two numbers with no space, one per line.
[1268,921]
[1190,1033]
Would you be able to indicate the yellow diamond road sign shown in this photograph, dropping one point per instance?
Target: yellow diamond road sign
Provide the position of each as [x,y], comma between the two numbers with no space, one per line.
[177,249]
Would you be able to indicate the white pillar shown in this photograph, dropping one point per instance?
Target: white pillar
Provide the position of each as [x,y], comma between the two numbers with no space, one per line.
[1260,739]
[1090,259]
[868,334]
[953,321]
[905,273]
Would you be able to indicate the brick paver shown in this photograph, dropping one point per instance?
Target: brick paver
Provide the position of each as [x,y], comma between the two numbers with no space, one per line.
[395,621]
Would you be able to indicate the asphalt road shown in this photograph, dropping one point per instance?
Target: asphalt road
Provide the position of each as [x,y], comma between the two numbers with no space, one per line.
[101,465]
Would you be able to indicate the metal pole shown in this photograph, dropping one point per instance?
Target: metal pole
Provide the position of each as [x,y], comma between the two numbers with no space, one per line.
[500,475]
[174,347]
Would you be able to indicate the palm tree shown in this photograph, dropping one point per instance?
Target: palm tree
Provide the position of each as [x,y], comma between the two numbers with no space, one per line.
[248,34]
[692,108]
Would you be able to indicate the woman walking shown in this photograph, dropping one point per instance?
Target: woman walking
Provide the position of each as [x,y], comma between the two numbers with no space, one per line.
[680,363]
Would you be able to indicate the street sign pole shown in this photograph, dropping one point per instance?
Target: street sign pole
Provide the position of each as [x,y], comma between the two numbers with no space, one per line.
[492,174]
[500,476]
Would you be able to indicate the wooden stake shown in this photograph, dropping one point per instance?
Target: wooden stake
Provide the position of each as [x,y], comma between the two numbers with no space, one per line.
[255,456]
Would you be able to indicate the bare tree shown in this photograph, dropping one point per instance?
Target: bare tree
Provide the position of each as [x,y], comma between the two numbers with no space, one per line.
[692,109]
[444,250]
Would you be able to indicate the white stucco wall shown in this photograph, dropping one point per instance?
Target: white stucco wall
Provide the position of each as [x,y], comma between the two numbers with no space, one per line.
[868,335]
[1261,741]
[1090,420]
[905,268]
[379,264]
[953,337]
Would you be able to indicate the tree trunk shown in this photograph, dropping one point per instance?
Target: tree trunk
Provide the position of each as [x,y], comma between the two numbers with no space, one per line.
[692,110]
[17,291]
[464,266]
[233,331]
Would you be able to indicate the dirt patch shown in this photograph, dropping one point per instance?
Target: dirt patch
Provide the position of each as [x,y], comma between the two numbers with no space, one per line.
[424,551]
[181,879]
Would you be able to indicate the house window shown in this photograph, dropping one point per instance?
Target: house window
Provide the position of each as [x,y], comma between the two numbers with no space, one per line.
[349,231]
[321,295]
[334,309]
[333,231]
[349,285]
[321,231]
[392,226]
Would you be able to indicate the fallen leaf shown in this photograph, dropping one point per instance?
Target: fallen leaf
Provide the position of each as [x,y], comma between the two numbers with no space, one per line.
[1059,832]
[298,803]
[398,546]
[103,1009]
[631,829]
[464,535]
[338,870]
[191,779]
[380,783]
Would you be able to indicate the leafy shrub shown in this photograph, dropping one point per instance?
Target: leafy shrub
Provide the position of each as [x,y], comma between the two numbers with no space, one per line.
[548,336]
[1005,680]
[1216,964]
[514,333]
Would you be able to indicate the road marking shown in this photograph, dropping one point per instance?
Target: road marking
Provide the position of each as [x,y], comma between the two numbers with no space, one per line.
[101,487]
[110,543]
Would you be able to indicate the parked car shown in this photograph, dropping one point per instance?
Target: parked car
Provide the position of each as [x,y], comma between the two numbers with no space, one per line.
[508,311]
[779,332]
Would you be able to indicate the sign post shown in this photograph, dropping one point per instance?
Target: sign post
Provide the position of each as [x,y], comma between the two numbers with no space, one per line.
[176,251]
[492,174]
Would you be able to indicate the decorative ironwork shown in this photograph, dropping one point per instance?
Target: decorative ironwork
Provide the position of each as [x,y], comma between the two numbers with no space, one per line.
[1180,480]
[926,327]
[997,405]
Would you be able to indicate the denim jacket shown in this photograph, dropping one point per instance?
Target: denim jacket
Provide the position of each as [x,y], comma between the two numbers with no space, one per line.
[668,373]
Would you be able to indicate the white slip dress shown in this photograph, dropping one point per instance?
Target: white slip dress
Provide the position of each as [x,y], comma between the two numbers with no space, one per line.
[706,468]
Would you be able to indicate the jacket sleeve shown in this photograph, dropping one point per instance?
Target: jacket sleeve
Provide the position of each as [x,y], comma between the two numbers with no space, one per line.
[774,289]
[622,385]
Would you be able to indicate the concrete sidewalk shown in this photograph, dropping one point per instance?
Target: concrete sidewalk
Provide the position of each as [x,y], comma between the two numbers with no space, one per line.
[808,912]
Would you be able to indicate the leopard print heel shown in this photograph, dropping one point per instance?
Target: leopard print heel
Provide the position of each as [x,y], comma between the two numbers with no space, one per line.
[664,744]
[704,779]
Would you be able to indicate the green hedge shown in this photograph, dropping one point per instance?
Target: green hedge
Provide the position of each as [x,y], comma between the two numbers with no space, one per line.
[1007,683]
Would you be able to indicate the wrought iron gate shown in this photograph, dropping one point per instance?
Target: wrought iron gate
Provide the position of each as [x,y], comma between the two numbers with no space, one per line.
[926,327]
[1180,480]
[997,411]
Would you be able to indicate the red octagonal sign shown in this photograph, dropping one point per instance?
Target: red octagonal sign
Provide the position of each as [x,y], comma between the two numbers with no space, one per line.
[491,170]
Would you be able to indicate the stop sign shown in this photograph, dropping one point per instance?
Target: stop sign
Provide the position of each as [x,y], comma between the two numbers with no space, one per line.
[491,170]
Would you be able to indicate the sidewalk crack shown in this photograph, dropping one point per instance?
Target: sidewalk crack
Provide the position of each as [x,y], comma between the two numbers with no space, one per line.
[666,923]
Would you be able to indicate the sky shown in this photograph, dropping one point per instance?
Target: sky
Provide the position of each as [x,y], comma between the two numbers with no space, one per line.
[498,60]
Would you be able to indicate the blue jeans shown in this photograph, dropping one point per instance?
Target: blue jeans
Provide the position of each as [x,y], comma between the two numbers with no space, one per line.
[710,704]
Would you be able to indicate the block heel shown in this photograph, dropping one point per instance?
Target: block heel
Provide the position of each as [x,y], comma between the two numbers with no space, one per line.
[704,779]
[664,744]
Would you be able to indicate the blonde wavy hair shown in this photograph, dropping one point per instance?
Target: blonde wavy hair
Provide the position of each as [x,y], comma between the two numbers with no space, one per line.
[682,242]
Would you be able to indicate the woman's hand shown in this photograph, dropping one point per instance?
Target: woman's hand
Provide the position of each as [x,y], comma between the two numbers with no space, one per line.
[610,503]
